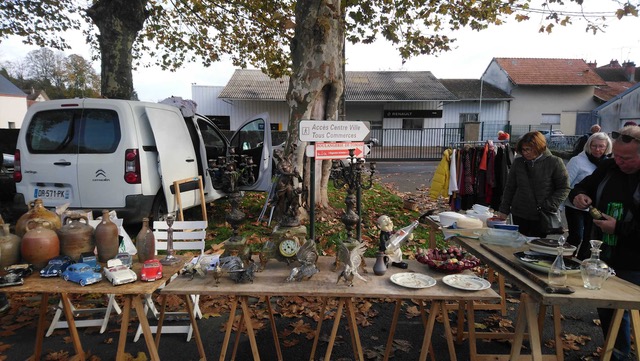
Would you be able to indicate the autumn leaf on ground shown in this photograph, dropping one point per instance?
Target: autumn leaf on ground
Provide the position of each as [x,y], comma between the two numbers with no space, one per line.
[67,339]
[94,358]
[57,356]
[108,341]
[402,345]
[302,327]
[412,311]
[290,342]
[140,357]
[206,316]
[4,347]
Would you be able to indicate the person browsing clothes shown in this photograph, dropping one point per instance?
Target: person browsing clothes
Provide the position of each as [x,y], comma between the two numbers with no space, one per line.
[597,147]
[537,179]
[578,147]
[614,189]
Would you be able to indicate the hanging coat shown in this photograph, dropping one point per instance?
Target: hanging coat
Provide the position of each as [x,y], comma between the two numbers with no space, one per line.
[440,181]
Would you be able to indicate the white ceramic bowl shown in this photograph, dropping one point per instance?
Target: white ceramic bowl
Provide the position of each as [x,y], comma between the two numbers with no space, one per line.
[479,208]
[448,218]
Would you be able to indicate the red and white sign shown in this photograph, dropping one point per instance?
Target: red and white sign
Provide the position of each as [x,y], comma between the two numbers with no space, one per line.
[340,150]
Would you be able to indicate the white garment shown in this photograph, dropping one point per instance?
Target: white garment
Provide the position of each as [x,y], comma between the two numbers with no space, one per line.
[578,168]
[453,178]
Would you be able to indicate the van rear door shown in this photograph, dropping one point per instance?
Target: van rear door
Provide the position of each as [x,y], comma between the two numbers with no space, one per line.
[176,156]
[253,139]
[49,154]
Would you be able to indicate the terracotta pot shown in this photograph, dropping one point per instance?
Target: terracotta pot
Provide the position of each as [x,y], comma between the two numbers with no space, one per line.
[40,243]
[145,242]
[37,211]
[106,236]
[76,236]
[9,247]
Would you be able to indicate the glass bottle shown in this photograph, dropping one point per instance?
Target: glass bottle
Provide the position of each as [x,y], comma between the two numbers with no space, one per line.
[594,271]
[558,271]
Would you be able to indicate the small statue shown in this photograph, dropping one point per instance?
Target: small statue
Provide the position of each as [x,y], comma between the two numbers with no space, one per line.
[237,270]
[287,195]
[307,256]
[385,224]
[352,260]
[217,273]
[192,268]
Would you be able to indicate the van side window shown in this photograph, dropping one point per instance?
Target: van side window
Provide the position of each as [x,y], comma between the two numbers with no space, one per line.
[52,132]
[100,131]
[213,141]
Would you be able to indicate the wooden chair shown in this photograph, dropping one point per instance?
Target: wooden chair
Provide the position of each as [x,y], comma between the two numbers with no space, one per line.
[187,236]
[99,322]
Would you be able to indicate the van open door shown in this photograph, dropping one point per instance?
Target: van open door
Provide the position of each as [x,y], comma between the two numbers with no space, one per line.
[253,138]
[177,158]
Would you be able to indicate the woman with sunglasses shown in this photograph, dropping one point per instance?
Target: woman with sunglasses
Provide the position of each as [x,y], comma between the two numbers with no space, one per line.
[614,189]
[596,148]
[537,179]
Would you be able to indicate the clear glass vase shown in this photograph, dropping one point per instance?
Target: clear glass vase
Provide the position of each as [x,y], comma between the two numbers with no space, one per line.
[594,271]
[558,271]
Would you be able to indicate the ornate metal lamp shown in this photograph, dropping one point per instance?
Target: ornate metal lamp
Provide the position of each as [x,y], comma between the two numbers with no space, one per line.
[228,174]
[356,177]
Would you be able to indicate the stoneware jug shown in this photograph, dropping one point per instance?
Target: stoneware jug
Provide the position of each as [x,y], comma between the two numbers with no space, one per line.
[9,247]
[76,236]
[380,267]
[106,236]
[40,243]
[37,211]
[145,242]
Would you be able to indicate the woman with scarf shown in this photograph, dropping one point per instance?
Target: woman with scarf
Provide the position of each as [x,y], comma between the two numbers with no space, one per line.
[597,147]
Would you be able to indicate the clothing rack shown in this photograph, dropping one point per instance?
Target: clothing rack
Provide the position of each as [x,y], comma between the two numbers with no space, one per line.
[475,142]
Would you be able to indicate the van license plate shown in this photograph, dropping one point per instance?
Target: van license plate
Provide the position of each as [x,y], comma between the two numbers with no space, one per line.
[55,193]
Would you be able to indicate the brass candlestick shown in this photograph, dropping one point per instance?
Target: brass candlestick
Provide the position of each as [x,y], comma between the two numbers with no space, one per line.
[170,259]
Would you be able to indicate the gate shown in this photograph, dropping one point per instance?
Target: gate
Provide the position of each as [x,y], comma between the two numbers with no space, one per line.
[412,144]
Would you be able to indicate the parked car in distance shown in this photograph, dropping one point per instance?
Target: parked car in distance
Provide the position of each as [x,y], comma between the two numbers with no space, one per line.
[151,270]
[90,259]
[118,274]
[125,258]
[81,273]
[56,266]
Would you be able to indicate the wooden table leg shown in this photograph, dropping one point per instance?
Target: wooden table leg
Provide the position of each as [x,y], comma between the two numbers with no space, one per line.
[274,330]
[236,342]
[146,330]
[461,307]
[227,334]
[249,326]
[394,323]
[334,330]
[194,325]
[471,321]
[423,316]
[447,330]
[353,327]
[42,320]
[323,309]
[163,308]
[610,340]
[124,326]
[557,329]
[526,319]
[73,331]
[635,328]
[426,341]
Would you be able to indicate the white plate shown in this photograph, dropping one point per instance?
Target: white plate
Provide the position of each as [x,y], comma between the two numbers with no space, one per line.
[466,282]
[568,249]
[413,280]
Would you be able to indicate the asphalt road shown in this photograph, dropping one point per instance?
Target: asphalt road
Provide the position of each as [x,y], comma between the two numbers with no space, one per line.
[18,327]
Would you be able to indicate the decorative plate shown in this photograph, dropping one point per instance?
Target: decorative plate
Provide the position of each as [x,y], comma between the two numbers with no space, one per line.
[466,282]
[550,246]
[413,280]
[542,262]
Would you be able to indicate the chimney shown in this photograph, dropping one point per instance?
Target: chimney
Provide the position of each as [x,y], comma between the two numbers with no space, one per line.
[629,70]
[614,64]
[592,65]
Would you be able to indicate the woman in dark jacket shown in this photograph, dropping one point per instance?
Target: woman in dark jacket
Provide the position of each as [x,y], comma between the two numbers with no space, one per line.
[536,179]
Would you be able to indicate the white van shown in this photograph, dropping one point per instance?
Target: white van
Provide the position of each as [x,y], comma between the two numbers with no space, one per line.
[125,155]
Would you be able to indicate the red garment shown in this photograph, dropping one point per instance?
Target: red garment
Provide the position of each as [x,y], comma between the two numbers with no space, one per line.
[504,136]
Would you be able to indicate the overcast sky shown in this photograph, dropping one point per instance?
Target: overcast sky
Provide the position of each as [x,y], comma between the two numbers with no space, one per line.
[470,57]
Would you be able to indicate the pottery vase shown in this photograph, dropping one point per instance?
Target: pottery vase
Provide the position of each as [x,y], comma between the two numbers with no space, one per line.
[106,238]
[145,242]
[9,247]
[37,211]
[76,236]
[380,267]
[39,244]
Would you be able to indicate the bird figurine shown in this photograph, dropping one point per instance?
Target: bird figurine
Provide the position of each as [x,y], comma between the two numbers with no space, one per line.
[217,273]
[237,270]
[307,255]
[352,260]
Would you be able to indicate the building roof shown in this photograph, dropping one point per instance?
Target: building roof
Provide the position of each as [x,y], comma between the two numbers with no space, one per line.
[8,88]
[560,72]
[469,89]
[248,84]
[611,89]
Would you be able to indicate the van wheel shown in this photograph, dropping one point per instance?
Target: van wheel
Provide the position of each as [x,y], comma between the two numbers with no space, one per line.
[159,208]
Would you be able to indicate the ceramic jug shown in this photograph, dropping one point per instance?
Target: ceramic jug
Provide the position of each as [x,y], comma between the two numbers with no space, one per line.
[37,211]
[40,243]
[106,237]
[9,247]
[380,267]
[145,242]
[76,236]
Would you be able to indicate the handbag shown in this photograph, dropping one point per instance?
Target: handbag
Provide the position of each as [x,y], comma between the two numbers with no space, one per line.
[550,222]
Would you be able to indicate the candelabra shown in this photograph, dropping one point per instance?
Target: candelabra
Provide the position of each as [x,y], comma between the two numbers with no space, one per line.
[171,258]
[229,173]
[356,177]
